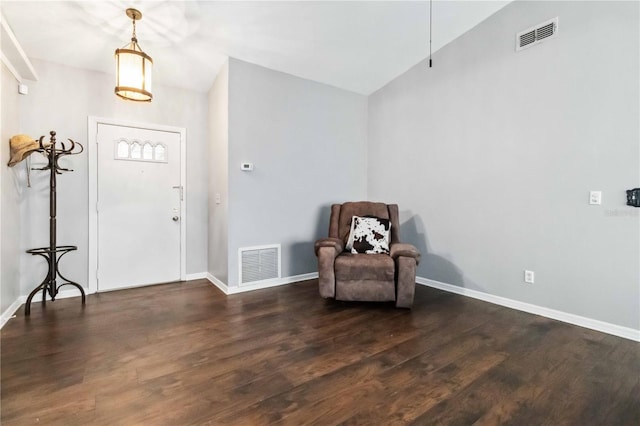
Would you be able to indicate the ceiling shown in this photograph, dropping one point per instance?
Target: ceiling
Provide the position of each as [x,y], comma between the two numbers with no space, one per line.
[357,46]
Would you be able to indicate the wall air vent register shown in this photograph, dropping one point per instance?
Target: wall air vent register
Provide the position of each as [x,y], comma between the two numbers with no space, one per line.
[537,34]
[260,263]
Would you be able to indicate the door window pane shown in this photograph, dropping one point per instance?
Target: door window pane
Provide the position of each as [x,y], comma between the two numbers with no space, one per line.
[160,153]
[136,150]
[147,151]
[123,149]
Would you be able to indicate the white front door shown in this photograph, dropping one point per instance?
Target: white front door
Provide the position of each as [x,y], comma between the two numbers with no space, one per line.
[139,205]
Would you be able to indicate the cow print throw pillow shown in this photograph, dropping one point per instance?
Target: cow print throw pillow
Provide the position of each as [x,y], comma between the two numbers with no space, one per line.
[368,235]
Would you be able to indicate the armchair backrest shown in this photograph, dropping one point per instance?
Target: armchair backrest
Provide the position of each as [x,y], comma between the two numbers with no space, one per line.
[341,214]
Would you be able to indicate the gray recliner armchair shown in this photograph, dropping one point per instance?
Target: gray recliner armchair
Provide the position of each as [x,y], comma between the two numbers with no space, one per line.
[366,277]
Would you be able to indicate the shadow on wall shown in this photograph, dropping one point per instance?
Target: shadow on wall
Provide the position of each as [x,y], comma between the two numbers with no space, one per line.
[303,258]
[431,265]
[322,222]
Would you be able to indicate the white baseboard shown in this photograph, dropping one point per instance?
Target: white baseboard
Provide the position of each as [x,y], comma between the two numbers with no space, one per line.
[11,310]
[605,327]
[62,294]
[263,284]
[196,276]
[218,283]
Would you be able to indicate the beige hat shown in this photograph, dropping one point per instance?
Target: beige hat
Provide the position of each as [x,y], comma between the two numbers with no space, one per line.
[21,147]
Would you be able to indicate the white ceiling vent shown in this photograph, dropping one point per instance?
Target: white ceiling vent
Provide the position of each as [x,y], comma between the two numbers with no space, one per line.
[259,263]
[536,35]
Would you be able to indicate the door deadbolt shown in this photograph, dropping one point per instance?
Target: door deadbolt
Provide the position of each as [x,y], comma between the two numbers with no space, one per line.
[175,218]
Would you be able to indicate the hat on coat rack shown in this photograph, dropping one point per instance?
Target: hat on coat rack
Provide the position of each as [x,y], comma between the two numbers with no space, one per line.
[21,147]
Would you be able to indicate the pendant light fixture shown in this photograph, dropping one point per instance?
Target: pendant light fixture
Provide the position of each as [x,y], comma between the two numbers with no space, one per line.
[430,28]
[133,67]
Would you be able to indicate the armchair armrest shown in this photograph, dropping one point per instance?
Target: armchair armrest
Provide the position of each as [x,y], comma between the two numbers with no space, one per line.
[406,258]
[334,243]
[327,249]
[404,250]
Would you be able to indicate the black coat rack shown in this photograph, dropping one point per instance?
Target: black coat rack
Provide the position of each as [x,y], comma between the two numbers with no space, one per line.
[53,253]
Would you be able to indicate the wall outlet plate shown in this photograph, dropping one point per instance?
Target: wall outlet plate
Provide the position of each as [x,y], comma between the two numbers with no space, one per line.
[595,197]
[529,277]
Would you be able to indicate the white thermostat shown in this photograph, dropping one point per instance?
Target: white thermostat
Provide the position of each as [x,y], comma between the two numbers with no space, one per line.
[246,167]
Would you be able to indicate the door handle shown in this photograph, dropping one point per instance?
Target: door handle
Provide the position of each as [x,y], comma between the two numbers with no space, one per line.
[175,218]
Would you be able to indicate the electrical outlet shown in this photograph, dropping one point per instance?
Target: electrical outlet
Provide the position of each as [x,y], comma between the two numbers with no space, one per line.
[529,277]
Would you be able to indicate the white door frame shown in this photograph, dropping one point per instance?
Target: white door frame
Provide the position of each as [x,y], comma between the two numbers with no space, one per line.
[92,154]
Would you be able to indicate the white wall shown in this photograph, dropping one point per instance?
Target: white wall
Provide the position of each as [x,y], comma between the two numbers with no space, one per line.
[12,194]
[218,247]
[62,100]
[308,144]
[491,155]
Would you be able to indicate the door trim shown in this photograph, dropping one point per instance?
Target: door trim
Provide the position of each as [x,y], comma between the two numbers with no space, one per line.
[92,154]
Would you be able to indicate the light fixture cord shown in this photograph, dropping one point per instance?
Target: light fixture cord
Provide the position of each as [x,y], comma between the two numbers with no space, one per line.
[430,27]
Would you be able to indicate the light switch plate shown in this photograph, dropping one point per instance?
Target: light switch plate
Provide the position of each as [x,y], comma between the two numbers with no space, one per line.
[595,197]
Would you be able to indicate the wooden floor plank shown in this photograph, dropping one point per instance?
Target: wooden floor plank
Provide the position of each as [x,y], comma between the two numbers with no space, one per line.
[185,353]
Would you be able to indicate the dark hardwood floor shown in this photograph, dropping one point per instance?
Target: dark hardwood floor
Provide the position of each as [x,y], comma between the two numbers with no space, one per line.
[185,353]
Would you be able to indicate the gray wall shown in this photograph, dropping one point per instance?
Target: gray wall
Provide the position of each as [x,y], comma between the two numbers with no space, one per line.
[308,144]
[62,100]
[11,195]
[491,155]
[218,247]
